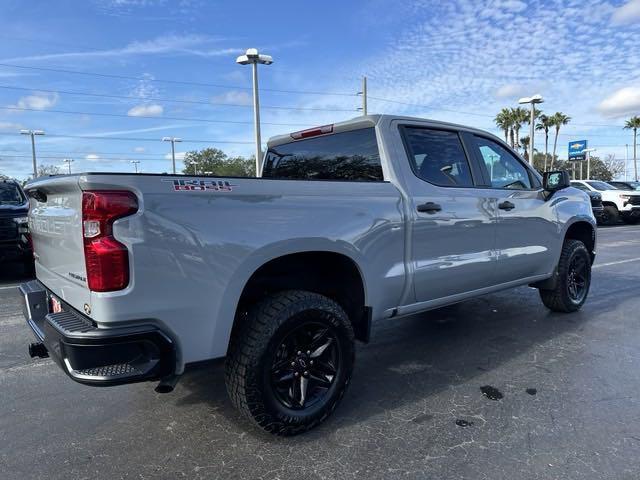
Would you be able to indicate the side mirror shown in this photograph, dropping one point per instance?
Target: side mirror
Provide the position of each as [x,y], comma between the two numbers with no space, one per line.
[554,181]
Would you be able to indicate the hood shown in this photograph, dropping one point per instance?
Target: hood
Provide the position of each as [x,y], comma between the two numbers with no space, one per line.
[8,210]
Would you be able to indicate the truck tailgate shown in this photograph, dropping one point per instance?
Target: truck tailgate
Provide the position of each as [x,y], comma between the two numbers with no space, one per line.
[55,221]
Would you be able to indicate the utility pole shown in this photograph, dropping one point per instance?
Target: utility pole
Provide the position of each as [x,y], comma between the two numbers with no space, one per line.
[364,95]
[135,164]
[173,141]
[68,162]
[253,58]
[33,134]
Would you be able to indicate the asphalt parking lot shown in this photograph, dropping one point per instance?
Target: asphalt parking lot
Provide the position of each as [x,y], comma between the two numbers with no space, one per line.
[569,406]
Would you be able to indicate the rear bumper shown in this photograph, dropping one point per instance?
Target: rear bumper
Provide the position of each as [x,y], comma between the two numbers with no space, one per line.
[93,355]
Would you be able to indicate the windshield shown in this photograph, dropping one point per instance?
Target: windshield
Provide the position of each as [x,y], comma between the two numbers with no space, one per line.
[10,194]
[601,186]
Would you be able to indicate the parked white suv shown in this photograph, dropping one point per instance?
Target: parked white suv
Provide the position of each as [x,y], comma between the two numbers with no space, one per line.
[618,204]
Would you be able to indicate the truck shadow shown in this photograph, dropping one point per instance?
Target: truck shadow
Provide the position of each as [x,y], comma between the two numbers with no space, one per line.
[14,272]
[412,358]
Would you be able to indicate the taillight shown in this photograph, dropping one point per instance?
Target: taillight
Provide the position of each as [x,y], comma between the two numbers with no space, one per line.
[107,260]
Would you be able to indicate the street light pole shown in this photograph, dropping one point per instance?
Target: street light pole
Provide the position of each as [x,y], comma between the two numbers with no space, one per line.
[533,101]
[33,134]
[68,162]
[253,58]
[173,141]
[195,166]
[135,164]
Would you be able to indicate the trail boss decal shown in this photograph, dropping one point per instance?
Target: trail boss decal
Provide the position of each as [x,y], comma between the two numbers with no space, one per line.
[200,185]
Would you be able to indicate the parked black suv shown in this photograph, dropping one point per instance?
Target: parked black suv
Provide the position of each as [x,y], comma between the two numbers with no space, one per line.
[597,207]
[15,242]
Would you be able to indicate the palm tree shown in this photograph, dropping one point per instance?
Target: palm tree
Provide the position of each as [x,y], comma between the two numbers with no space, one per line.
[545,124]
[524,143]
[520,116]
[557,120]
[633,124]
[504,122]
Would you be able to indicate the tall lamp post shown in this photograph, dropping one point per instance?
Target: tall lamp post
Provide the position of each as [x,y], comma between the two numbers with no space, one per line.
[135,164]
[173,141]
[253,58]
[533,101]
[33,134]
[68,162]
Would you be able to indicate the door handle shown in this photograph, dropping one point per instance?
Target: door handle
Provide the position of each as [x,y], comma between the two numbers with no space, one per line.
[506,205]
[429,207]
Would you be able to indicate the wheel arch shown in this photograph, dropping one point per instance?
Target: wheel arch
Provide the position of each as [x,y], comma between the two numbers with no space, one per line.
[334,269]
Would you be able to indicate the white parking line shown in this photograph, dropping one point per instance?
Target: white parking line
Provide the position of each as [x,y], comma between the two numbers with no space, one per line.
[628,260]
[8,287]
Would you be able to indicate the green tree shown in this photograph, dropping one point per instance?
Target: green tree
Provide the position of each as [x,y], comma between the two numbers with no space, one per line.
[212,161]
[545,125]
[45,170]
[524,143]
[633,124]
[557,120]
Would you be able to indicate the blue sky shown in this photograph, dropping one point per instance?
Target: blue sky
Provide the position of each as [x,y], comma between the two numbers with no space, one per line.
[460,60]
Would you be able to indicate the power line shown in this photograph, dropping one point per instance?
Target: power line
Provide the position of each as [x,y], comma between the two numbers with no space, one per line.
[121,115]
[132,139]
[176,82]
[160,158]
[486,115]
[156,99]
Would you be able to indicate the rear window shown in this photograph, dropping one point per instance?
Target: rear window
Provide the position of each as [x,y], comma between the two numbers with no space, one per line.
[601,186]
[10,194]
[341,156]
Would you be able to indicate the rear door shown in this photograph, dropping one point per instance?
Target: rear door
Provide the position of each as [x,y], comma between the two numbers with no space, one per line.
[526,228]
[452,226]
[55,222]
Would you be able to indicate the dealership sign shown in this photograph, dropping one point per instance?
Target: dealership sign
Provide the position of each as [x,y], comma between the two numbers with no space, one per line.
[576,150]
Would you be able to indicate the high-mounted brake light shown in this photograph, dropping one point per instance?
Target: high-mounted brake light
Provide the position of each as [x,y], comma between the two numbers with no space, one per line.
[312,132]
[107,260]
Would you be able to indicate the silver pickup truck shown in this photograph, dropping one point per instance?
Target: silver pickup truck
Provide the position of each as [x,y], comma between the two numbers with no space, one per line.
[139,276]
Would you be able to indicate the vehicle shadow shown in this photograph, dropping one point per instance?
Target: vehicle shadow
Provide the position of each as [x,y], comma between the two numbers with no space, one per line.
[412,358]
[14,272]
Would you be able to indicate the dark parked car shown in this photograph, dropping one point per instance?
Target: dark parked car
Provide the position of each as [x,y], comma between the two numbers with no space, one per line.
[625,185]
[15,242]
[597,207]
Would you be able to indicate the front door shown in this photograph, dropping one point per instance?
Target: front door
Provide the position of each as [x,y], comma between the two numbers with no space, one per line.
[526,230]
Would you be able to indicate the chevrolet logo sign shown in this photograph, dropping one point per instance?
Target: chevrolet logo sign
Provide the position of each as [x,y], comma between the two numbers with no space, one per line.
[577,146]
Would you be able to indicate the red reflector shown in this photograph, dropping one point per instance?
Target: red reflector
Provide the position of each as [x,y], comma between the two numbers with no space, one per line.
[106,259]
[312,132]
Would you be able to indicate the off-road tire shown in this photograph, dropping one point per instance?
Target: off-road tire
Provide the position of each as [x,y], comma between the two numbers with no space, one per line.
[611,215]
[558,299]
[252,349]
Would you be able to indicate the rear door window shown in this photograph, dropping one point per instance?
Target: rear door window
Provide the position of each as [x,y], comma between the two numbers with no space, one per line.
[349,155]
[438,157]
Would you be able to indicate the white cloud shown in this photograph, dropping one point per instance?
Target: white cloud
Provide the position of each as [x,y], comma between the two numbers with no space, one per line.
[197,45]
[92,157]
[627,13]
[139,149]
[237,97]
[146,110]
[511,90]
[9,126]
[625,101]
[179,156]
[38,101]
